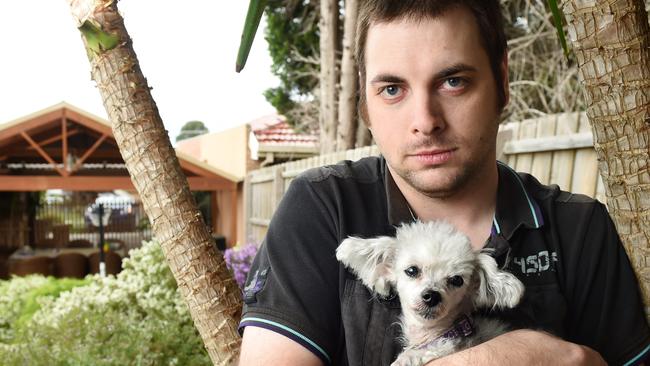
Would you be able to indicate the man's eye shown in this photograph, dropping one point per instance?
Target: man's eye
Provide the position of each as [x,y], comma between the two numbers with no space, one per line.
[454,82]
[391,91]
[412,271]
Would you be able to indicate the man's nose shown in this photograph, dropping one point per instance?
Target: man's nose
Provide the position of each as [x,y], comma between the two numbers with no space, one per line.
[427,115]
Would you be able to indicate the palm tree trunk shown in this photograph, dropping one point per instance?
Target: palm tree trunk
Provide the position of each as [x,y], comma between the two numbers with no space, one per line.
[612,45]
[212,295]
[347,121]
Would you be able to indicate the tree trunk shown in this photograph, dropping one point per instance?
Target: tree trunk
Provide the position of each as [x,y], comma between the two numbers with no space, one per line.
[347,121]
[212,295]
[612,45]
[328,75]
[364,138]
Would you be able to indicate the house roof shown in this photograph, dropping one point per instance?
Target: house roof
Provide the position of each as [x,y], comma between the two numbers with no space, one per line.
[36,144]
[274,130]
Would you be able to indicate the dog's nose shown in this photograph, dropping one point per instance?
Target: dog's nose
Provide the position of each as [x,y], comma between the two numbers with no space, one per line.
[431,298]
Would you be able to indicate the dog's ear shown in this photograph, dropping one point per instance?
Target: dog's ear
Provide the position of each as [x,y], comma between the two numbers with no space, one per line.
[371,260]
[497,288]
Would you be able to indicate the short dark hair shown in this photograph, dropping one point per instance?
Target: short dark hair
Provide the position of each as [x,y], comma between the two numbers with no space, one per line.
[486,12]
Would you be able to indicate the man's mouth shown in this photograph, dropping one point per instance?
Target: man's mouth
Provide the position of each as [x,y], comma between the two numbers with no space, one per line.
[433,157]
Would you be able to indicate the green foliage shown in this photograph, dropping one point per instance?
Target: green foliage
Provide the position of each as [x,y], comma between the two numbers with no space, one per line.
[97,41]
[136,318]
[253,17]
[557,19]
[292,37]
[52,288]
[192,129]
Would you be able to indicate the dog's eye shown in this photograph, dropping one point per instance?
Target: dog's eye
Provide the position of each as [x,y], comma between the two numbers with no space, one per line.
[412,271]
[455,281]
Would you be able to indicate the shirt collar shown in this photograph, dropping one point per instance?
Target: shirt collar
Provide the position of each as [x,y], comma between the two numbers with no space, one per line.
[515,207]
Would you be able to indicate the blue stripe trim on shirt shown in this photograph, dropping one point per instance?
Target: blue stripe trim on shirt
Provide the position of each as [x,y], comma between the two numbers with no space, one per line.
[496,226]
[530,203]
[638,357]
[300,338]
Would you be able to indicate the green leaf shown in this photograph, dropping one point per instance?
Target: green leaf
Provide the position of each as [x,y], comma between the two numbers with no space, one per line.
[557,19]
[97,40]
[253,17]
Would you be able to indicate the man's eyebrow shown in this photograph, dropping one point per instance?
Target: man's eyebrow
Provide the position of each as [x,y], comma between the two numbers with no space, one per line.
[387,78]
[444,73]
[454,69]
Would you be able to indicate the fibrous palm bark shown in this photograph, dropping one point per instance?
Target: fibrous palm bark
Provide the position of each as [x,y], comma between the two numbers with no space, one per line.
[611,40]
[204,281]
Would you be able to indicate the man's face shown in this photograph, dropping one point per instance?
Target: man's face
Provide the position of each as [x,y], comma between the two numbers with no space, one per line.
[432,101]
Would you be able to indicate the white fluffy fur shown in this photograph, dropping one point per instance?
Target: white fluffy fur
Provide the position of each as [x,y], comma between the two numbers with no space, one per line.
[440,252]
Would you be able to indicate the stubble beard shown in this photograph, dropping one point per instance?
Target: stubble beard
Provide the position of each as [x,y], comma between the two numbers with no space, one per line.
[445,184]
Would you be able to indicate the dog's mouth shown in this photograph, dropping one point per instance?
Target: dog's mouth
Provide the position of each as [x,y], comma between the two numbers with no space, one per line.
[429,312]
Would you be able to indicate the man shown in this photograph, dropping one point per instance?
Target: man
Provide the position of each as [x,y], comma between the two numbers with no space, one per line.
[433,77]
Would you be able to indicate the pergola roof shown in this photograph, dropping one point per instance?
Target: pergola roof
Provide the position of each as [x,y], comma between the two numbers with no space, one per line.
[64,147]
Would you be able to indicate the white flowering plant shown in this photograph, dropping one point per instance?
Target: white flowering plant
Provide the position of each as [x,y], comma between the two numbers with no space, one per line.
[135,318]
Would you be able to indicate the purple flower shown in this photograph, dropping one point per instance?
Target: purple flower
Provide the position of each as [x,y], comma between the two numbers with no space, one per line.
[239,259]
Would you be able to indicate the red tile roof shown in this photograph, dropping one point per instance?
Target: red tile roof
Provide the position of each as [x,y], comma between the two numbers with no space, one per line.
[274,130]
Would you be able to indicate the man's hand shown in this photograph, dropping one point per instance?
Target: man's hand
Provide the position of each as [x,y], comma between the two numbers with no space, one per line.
[524,347]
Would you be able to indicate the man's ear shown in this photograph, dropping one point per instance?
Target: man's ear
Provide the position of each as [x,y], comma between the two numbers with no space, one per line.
[371,260]
[496,288]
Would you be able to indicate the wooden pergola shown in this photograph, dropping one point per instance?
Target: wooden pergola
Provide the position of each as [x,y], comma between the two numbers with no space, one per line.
[64,147]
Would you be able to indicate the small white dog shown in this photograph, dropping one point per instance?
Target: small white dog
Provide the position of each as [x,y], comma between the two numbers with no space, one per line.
[440,281]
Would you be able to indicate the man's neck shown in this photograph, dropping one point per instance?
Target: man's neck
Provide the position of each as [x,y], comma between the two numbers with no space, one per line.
[470,209]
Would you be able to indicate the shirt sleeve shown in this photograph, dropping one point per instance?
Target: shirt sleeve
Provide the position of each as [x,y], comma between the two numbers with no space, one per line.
[606,311]
[292,287]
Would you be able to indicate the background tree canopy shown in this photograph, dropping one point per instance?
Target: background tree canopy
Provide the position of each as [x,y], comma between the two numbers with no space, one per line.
[192,129]
[292,36]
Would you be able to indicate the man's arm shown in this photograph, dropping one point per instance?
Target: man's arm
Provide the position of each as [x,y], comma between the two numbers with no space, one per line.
[524,347]
[264,347]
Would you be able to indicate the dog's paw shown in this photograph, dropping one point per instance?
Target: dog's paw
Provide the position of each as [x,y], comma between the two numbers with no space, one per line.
[409,358]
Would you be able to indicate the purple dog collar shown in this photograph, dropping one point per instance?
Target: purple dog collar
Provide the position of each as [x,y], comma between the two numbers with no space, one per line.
[462,327]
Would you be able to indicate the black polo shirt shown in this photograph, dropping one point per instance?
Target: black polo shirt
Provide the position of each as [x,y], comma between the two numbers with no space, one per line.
[562,246]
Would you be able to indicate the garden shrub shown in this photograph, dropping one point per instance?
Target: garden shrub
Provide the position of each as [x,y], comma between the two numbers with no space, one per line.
[135,318]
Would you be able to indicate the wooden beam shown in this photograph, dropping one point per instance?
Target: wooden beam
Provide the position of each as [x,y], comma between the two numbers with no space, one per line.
[42,153]
[554,143]
[210,184]
[18,127]
[64,140]
[54,139]
[214,211]
[89,122]
[28,183]
[233,219]
[259,222]
[88,153]
[72,183]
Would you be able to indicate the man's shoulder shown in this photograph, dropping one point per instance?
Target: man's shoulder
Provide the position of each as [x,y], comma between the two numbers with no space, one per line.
[365,170]
[554,194]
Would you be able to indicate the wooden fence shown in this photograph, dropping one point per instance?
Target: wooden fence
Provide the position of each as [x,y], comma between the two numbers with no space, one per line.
[555,149]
